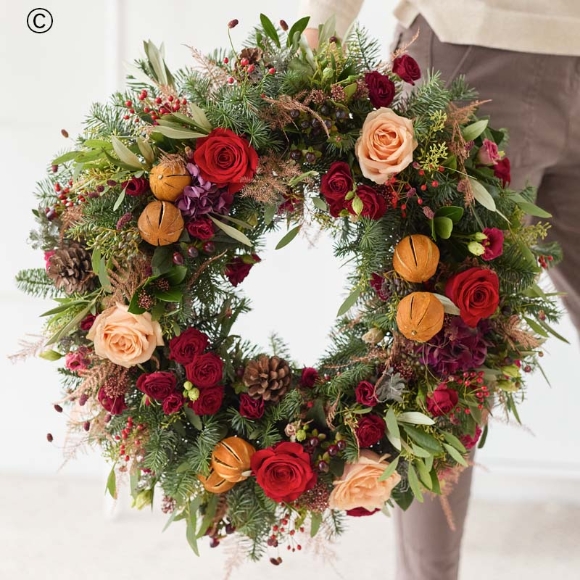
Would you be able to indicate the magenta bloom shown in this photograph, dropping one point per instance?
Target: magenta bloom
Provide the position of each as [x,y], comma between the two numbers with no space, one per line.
[488,154]
[77,361]
[494,243]
[442,401]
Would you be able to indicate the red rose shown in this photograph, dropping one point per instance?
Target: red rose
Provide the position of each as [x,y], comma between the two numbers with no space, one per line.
[202,229]
[185,347]
[475,292]
[205,370]
[370,430]
[374,205]
[406,67]
[381,89]
[113,405]
[283,471]
[309,377]
[361,512]
[226,159]
[502,170]
[442,401]
[173,403]
[209,401]
[378,284]
[136,186]
[237,270]
[87,322]
[157,385]
[334,186]
[251,408]
[365,394]
[493,245]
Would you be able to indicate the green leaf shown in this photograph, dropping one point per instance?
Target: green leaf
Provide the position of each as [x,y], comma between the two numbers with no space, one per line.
[50,355]
[395,441]
[209,514]
[269,213]
[112,483]
[320,204]
[134,307]
[65,157]
[65,306]
[420,452]
[436,486]
[403,498]
[415,418]
[443,227]
[71,326]
[125,154]
[270,30]
[483,437]
[146,150]
[87,156]
[350,90]
[482,195]
[97,144]
[327,30]
[390,469]
[448,305]
[452,440]
[171,295]
[157,63]
[414,483]
[193,418]
[162,261]
[191,532]
[176,275]
[423,439]
[171,519]
[315,522]
[177,134]
[357,205]
[349,302]
[473,131]
[453,212]
[298,27]
[290,235]
[198,117]
[455,454]
[553,332]
[392,424]
[533,209]
[424,474]
[103,274]
[120,200]
[232,232]
[536,327]
[236,221]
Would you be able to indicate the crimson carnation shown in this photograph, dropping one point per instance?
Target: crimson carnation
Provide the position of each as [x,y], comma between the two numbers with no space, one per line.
[87,322]
[502,170]
[309,377]
[365,394]
[284,471]
[205,370]
[442,401]
[251,408]
[201,229]
[185,347]
[157,385]
[238,269]
[135,186]
[173,403]
[361,512]
[209,401]
[374,205]
[381,89]
[113,405]
[334,186]
[226,159]
[475,292]
[493,245]
[406,68]
[370,430]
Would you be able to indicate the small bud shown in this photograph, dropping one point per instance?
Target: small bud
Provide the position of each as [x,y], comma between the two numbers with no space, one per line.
[233,23]
[58,408]
[373,336]
[54,168]
[143,499]
[301,435]
[64,133]
[479,236]
[49,437]
[188,385]
[476,248]
[193,394]
[87,425]
[284,25]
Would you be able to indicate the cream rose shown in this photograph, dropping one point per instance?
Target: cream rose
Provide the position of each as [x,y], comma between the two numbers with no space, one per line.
[359,485]
[125,339]
[386,145]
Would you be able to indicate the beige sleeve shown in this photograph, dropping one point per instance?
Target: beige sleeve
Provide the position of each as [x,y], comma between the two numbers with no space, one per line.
[321,10]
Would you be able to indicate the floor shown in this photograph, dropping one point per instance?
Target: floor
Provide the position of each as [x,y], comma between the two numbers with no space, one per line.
[61,529]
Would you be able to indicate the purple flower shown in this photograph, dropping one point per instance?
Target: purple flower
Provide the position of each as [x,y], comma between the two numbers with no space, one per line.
[456,348]
[203,197]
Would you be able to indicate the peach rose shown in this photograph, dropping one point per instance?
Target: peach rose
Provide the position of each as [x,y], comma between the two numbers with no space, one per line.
[359,485]
[386,145]
[125,339]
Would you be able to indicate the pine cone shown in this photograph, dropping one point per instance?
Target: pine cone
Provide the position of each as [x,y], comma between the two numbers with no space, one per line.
[71,269]
[254,55]
[267,378]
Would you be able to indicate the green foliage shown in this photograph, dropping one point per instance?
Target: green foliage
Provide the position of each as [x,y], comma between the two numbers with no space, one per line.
[36,283]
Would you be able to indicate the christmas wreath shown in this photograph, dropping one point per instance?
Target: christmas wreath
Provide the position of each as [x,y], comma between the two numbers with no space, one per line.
[150,225]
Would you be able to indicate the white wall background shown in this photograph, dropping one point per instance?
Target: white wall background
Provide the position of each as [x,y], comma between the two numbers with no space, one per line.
[49,80]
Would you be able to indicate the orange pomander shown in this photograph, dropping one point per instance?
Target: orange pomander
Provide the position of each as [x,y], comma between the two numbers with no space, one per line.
[168,179]
[214,483]
[231,458]
[416,258]
[420,316]
[161,223]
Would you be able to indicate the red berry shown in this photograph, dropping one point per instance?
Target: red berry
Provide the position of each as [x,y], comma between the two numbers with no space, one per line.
[423,187]
[158,100]
[435,183]
[272,71]
[144,93]
[127,458]
[226,60]
[126,117]
[251,69]
[244,62]
[146,109]
[419,201]
[170,98]
[176,107]
[421,172]
[57,187]
[231,80]
[184,101]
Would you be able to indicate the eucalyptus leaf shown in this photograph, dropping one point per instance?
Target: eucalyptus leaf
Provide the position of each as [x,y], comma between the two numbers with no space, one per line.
[171,519]
[139,75]
[424,474]
[193,418]
[536,327]
[120,200]
[232,232]
[420,452]
[414,483]
[270,30]
[97,144]
[327,30]
[320,204]
[66,157]
[112,483]
[269,213]
[146,150]
[392,424]
[392,467]
[423,439]
[157,63]
[448,305]
[415,418]
[452,440]
[395,441]
[177,134]
[297,28]
[50,355]
[198,116]
[532,209]
[290,235]
[103,274]
[71,326]
[125,154]
[553,332]
[315,522]
[473,131]
[349,302]
[191,532]
[482,195]
[455,454]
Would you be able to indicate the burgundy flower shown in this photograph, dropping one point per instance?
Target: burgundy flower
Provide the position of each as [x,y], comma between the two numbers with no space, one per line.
[442,401]
[370,430]
[493,245]
[173,403]
[406,68]
[158,385]
[209,401]
[136,186]
[201,229]
[251,408]
[361,512]
[502,170]
[309,377]
[77,361]
[87,322]
[381,89]
[365,394]
[238,269]
[334,186]
[185,347]
[205,370]
[470,441]
[377,283]
[113,405]
[374,204]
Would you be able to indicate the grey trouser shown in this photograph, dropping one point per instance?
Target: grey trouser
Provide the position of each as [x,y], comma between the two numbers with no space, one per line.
[537,98]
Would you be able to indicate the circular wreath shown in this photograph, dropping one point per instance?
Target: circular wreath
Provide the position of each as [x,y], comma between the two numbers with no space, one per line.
[152,223]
